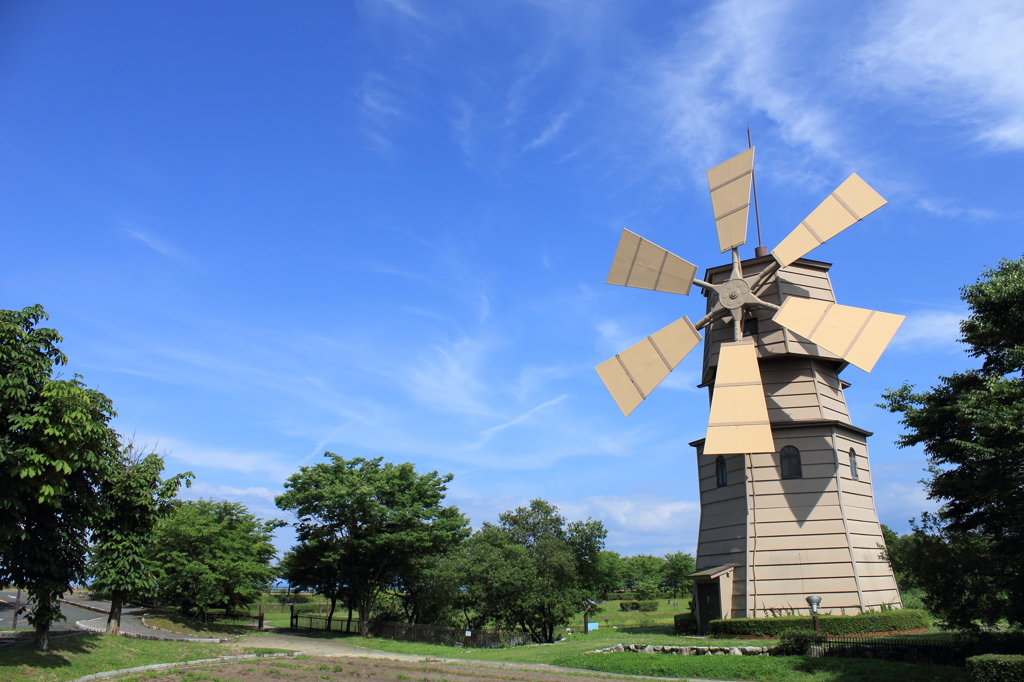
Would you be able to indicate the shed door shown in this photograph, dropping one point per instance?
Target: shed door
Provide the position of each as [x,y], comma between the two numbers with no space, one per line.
[709,602]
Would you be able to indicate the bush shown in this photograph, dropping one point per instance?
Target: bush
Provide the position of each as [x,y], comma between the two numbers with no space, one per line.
[995,668]
[685,624]
[796,642]
[885,621]
[638,605]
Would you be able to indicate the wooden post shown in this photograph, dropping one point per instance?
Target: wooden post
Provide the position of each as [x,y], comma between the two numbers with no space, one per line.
[261,617]
[291,619]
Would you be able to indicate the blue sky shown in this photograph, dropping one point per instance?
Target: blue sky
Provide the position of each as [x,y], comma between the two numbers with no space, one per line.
[382,228]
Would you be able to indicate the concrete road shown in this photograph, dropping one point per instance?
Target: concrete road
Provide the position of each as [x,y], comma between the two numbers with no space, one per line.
[8,597]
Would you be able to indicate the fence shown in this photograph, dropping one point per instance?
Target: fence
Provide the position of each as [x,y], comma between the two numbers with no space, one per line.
[910,651]
[430,634]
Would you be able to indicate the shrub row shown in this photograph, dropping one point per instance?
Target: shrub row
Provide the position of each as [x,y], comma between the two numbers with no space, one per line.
[995,668]
[885,621]
[638,605]
[685,624]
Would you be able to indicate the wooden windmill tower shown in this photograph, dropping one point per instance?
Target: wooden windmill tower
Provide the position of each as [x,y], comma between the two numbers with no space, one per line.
[787,509]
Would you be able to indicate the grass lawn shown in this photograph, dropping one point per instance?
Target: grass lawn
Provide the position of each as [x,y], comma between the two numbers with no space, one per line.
[187,626]
[73,657]
[612,615]
[762,668]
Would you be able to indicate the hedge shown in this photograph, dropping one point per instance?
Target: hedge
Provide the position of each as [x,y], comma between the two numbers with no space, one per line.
[638,605]
[885,621]
[995,668]
[685,624]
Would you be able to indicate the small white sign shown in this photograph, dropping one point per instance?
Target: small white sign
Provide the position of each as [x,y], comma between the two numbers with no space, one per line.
[469,633]
[593,626]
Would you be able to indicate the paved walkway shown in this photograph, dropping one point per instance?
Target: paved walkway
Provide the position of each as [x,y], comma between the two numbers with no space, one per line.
[131,620]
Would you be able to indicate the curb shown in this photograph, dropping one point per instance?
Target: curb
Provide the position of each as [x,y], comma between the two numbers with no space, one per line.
[22,639]
[79,605]
[201,640]
[182,664]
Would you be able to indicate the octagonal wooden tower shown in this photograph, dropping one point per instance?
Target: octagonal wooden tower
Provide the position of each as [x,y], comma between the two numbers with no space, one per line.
[800,520]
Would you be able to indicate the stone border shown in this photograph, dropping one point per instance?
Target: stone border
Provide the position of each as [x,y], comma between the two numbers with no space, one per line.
[86,607]
[19,638]
[182,664]
[687,650]
[201,640]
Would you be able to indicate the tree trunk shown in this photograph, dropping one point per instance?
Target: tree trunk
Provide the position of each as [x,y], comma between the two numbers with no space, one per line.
[114,618]
[42,616]
[366,604]
[349,627]
[330,614]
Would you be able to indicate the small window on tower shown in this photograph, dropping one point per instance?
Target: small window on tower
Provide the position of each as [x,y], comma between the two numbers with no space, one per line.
[790,462]
[750,327]
[853,465]
[721,472]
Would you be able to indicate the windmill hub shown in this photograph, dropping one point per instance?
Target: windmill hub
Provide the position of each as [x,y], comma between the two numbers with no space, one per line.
[735,293]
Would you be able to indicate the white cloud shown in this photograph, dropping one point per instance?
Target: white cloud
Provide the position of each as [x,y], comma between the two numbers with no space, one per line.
[550,132]
[957,60]
[275,466]
[730,66]
[932,329]
[487,434]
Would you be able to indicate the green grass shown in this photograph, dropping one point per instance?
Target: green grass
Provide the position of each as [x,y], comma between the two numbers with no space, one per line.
[187,626]
[612,616]
[73,657]
[533,653]
[761,668]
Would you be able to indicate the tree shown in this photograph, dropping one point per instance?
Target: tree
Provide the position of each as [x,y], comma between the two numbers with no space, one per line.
[611,570]
[381,518]
[212,554]
[55,443]
[133,498]
[319,567]
[533,570]
[642,568]
[971,427]
[674,571]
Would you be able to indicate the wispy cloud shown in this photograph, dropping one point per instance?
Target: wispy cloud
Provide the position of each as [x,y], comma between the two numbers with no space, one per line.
[945,210]
[550,132]
[487,434]
[146,238]
[380,108]
[957,61]
[932,329]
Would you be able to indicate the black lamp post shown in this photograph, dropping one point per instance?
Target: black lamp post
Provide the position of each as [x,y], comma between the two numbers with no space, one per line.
[813,601]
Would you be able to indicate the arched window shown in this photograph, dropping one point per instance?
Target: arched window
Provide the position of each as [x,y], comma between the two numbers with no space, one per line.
[853,465]
[790,460]
[720,472]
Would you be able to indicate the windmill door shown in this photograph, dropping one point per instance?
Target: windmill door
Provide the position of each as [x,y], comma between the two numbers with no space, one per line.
[709,604]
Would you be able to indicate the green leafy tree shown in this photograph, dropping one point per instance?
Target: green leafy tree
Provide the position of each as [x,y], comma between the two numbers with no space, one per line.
[642,568]
[674,571]
[317,566]
[133,498]
[382,519]
[533,570]
[212,554]
[611,570]
[971,426]
[55,443]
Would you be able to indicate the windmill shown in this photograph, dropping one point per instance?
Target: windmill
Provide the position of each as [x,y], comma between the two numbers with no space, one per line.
[787,507]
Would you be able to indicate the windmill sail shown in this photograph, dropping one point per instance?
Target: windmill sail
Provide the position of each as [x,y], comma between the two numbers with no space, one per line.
[729,183]
[852,201]
[645,265]
[631,375]
[857,335]
[739,416]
